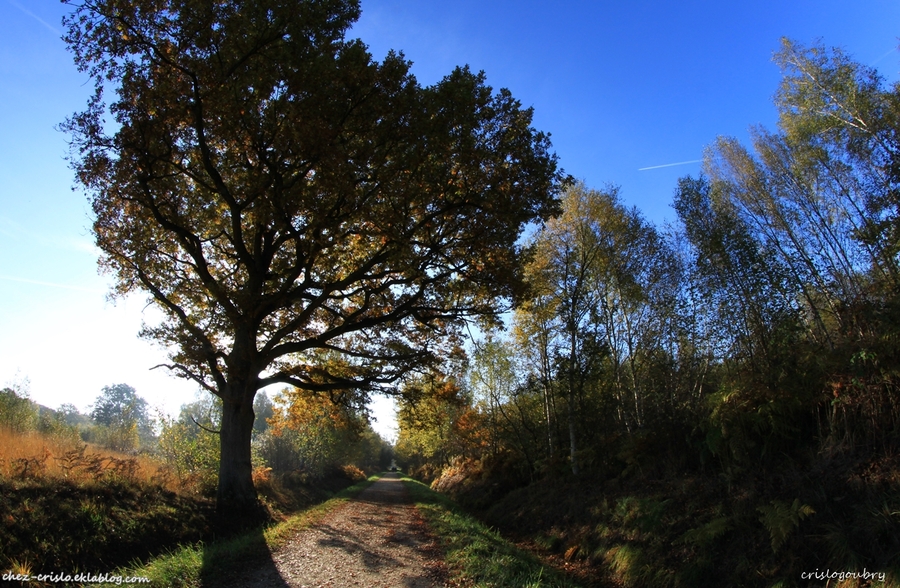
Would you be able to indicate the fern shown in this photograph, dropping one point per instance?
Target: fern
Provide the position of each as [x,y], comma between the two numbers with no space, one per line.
[705,534]
[780,519]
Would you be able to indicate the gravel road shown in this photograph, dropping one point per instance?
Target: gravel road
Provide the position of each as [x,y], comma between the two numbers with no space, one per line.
[377,539]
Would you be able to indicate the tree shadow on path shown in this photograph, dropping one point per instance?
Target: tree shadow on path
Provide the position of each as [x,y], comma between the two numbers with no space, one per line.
[253,567]
[376,539]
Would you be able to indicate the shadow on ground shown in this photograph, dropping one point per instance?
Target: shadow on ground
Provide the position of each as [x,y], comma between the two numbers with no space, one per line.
[253,567]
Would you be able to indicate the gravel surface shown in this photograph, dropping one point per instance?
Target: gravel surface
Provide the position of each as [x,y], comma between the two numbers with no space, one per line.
[377,539]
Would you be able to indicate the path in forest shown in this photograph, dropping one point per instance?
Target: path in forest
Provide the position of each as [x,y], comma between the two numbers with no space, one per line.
[377,539]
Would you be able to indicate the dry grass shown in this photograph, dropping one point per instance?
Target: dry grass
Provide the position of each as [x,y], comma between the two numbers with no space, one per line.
[68,505]
[32,455]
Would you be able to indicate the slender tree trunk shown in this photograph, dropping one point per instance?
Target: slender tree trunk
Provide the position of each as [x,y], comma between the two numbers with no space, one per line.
[571,401]
[546,376]
[571,412]
[548,418]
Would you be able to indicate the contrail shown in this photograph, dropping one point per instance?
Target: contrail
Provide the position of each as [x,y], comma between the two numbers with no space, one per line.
[34,16]
[882,57]
[51,284]
[669,164]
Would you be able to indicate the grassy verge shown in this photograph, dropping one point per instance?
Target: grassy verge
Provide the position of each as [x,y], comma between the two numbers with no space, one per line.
[477,555]
[192,566]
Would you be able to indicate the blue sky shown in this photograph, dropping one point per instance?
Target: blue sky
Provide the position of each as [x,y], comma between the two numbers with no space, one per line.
[620,86]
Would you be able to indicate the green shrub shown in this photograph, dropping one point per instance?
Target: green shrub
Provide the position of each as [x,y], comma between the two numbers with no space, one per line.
[17,411]
[190,453]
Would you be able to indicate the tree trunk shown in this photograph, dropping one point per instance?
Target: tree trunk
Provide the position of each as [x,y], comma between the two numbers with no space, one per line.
[546,377]
[572,449]
[236,495]
[548,418]
[571,397]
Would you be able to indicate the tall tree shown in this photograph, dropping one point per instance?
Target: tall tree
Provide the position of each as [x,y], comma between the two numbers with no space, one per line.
[562,274]
[302,214]
[499,392]
[739,278]
[119,406]
[821,198]
[823,194]
[843,121]
[600,276]
[533,332]
[435,420]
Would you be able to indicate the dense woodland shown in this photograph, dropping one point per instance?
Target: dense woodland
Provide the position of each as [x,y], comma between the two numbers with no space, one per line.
[727,385]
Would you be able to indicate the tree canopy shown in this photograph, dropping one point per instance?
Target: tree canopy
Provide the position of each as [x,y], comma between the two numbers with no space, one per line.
[118,404]
[302,214]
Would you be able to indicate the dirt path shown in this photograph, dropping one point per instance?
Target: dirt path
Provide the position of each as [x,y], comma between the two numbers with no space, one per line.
[377,539]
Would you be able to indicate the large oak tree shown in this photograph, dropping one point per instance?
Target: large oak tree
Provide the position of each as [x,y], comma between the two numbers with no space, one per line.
[301,213]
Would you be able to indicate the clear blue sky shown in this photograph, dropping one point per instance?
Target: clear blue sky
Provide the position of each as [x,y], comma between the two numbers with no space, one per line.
[620,86]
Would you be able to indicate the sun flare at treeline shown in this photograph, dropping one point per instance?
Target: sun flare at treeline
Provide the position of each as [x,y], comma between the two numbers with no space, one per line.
[714,402]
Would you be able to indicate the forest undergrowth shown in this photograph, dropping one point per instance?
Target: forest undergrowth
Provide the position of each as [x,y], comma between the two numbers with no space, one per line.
[776,525]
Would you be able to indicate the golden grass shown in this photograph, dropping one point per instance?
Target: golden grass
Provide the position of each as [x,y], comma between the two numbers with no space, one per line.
[35,455]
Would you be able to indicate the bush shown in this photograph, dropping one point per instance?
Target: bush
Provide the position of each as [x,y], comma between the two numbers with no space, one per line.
[190,453]
[122,437]
[53,424]
[353,473]
[17,412]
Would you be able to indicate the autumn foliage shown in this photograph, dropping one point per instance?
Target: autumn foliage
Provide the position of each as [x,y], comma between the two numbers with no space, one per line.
[715,402]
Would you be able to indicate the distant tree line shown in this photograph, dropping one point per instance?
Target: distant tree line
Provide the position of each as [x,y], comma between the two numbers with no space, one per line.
[308,440]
